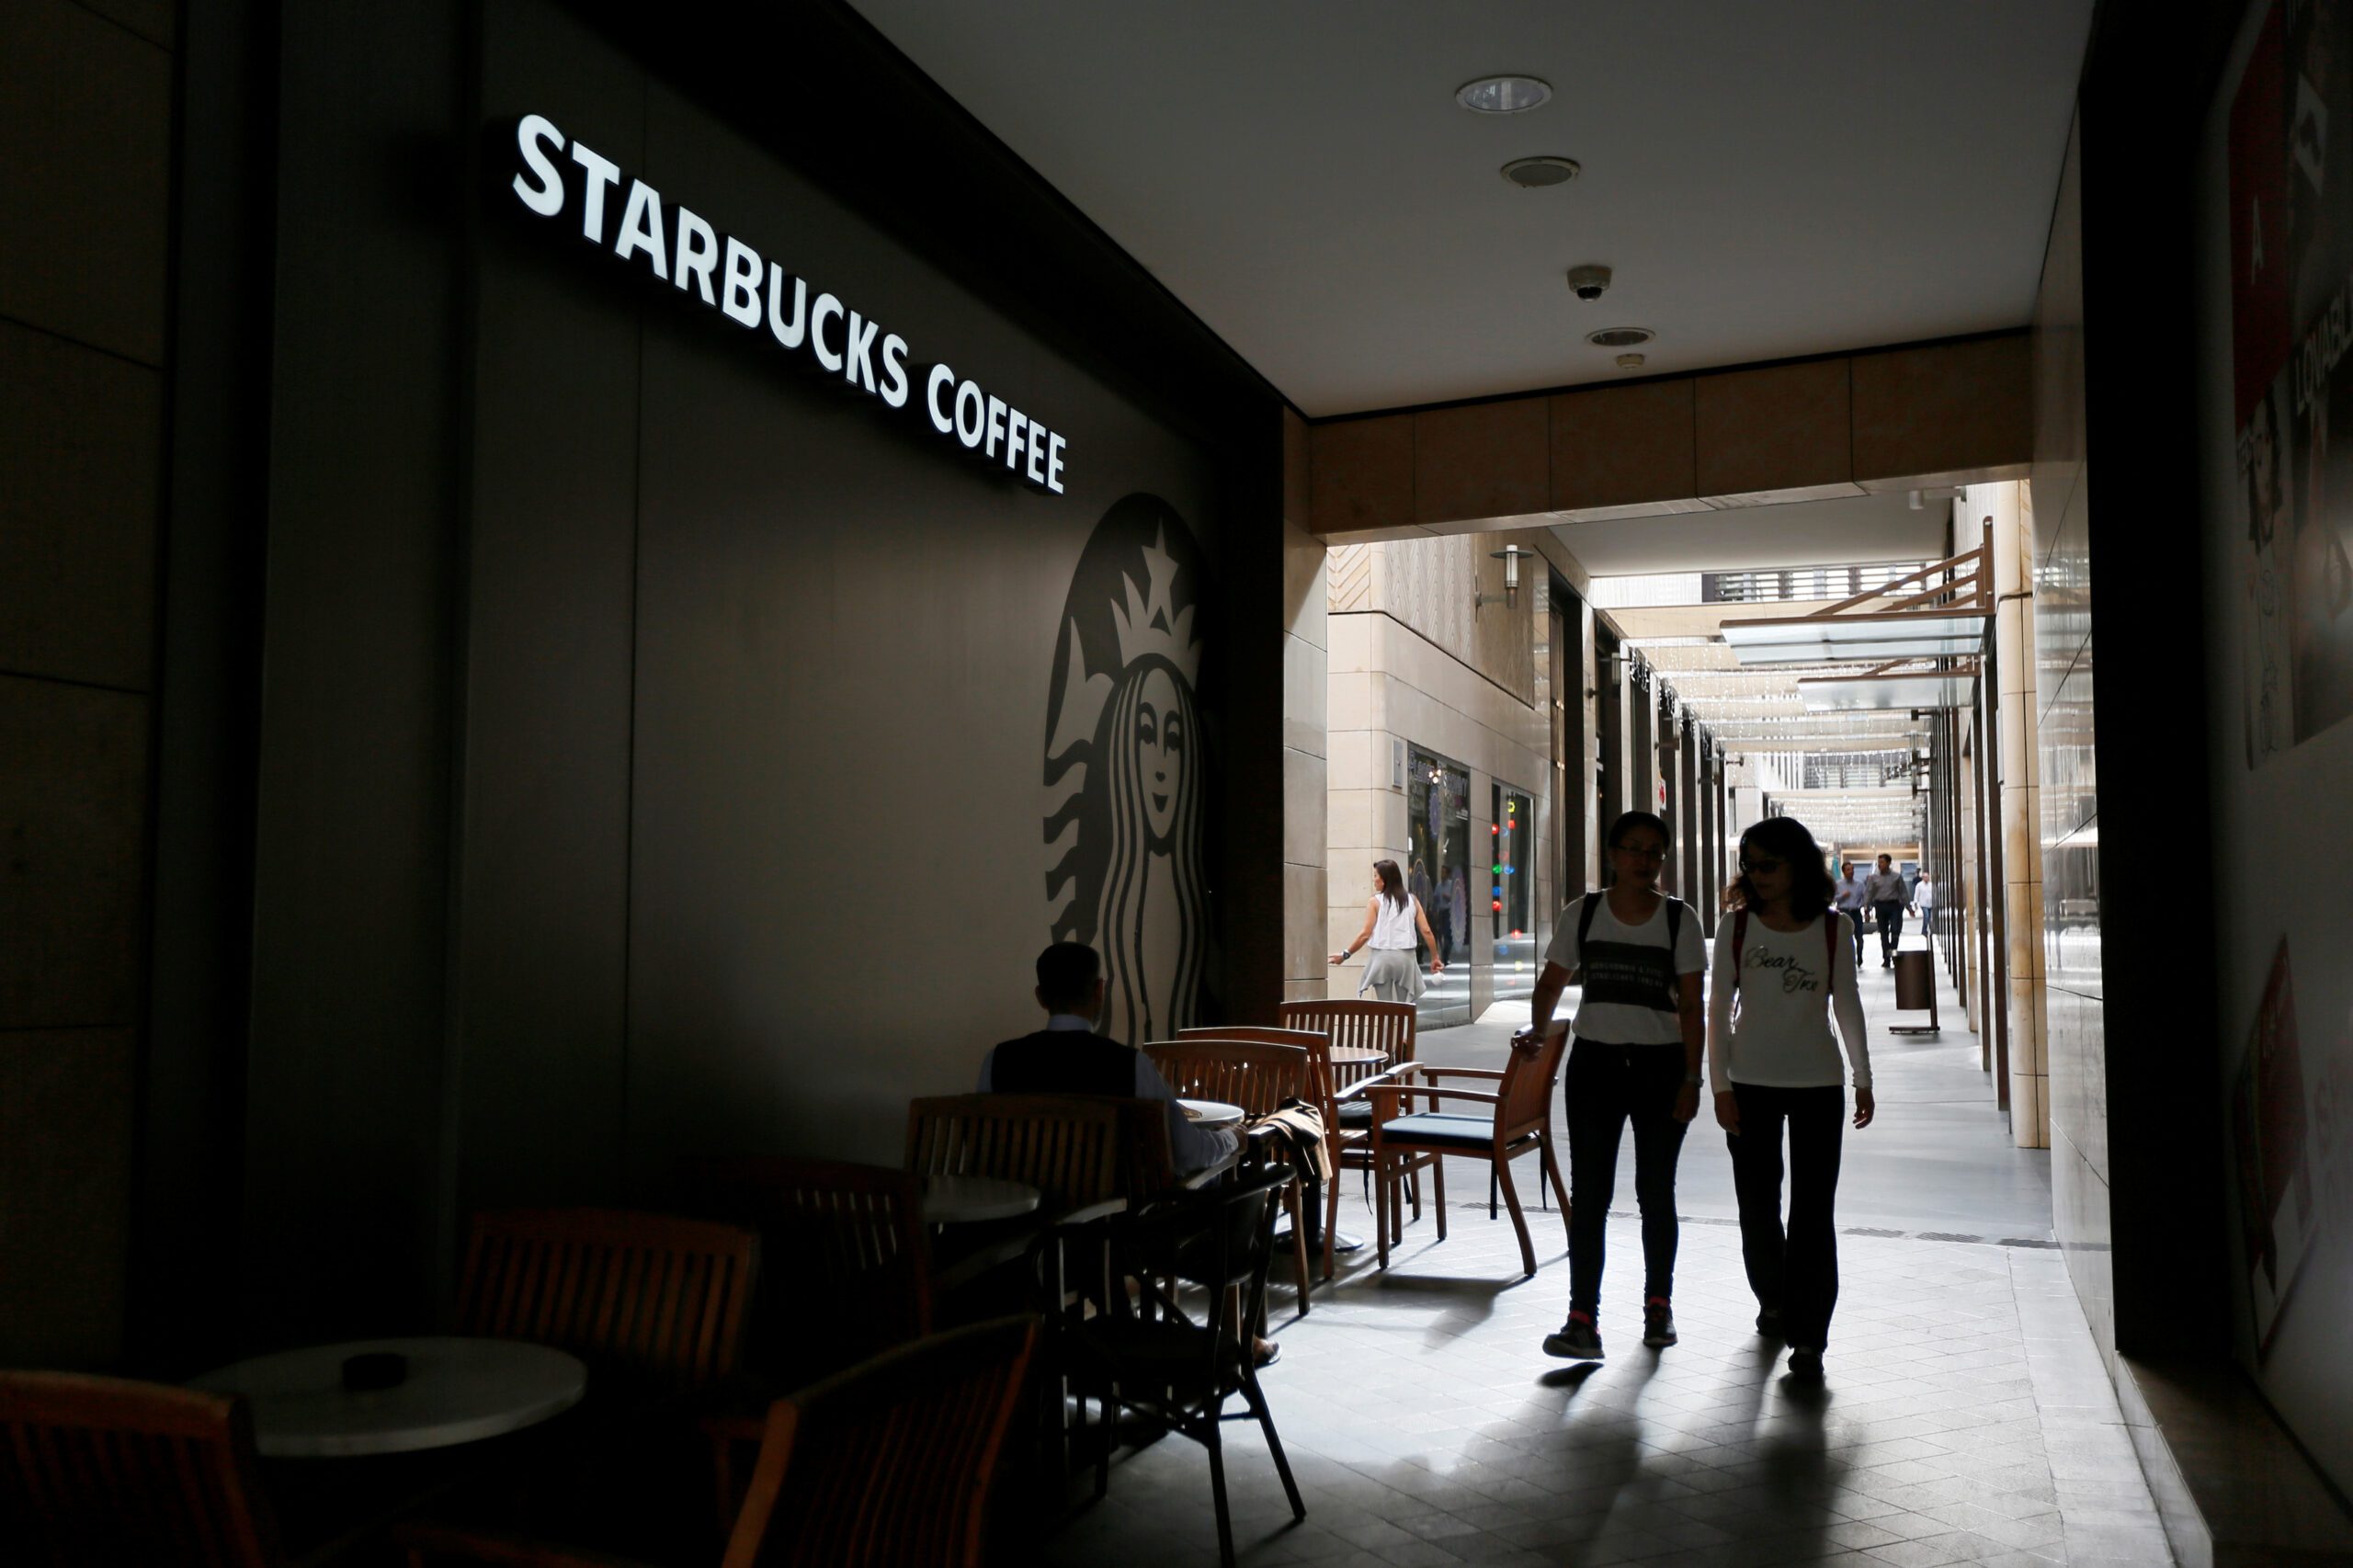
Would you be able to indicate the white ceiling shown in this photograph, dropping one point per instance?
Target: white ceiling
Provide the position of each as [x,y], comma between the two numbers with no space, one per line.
[1858,531]
[1766,180]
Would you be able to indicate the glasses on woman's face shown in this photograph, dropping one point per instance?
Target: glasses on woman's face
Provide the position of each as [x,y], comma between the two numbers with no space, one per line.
[1640,851]
[1761,867]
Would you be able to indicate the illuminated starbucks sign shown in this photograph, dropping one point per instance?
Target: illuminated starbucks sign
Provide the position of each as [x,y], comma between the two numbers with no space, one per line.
[673,244]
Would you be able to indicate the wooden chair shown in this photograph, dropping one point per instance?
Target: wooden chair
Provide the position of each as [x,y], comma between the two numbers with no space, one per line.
[98,1472]
[851,1262]
[1259,1078]
[1183,1372]
[851,1276]
[888,1463]
[1517,1121]
[1067,1146]
[1386,1026]
[655,1305]
[1070,1148]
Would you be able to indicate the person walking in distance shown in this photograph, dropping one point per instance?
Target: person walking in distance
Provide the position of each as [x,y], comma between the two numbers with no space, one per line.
[1924,903]
[1391,916]
[1639,1030]
[1848,896]
[1885,892]
[1781,973]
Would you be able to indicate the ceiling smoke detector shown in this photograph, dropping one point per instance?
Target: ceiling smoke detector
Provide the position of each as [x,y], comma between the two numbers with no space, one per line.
[1504,95]
[1537,174]
[1619,336]
[1631,361]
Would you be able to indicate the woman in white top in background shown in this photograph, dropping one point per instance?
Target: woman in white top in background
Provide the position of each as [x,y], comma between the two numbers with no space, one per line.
[1784,958]
[1392,918]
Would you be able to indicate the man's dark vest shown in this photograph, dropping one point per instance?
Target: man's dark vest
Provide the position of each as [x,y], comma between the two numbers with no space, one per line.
[1063,1061]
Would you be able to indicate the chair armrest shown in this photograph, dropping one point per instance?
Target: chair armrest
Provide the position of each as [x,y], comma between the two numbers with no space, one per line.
[1465,1072]
[1390,1096]
[1089,1214]
[503,1550]
[1385,1074]
[981,1261]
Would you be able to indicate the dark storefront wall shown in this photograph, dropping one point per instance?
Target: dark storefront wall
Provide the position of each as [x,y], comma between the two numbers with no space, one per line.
[654,738]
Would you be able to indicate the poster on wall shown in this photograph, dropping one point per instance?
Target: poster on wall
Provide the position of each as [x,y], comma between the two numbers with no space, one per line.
[2271,1154]
[1124,772]
[2291,161]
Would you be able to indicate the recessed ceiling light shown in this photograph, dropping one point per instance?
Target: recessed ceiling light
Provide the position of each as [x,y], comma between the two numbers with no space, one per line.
[1535,174]
[1631,361]
[1619,336]
[1502,94]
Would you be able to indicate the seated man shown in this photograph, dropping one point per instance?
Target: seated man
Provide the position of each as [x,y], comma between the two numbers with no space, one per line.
[1067,1057]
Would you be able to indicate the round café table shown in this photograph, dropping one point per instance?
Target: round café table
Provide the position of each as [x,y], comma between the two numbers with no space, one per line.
[968,1199]
[457,1390]
[1211,1115]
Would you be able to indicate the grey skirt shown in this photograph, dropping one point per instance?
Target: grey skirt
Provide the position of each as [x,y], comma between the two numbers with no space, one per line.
[1392,975]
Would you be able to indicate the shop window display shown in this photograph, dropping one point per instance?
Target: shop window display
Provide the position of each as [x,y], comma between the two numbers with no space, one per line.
[1510,895]
[1438,814]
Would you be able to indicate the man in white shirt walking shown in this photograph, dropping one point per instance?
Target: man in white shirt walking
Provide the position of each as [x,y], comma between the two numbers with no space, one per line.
[1884,892]
[1848,896]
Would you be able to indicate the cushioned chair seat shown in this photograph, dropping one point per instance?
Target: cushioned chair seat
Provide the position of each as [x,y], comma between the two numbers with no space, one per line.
[1437,1126]
[1355,1113]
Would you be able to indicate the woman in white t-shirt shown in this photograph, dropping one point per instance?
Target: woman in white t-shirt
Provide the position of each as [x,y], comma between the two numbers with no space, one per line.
[1392,918]
[1784,967]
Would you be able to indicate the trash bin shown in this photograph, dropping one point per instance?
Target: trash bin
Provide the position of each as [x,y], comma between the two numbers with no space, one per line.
[1916,981]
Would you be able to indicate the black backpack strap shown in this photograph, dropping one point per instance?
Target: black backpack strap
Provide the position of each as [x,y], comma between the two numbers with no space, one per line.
[1674,923]
[1585,923]
[1830,949]
[1739,938]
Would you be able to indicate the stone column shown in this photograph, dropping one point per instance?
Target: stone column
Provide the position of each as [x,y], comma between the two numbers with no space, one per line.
[2011,528]
[1305,748]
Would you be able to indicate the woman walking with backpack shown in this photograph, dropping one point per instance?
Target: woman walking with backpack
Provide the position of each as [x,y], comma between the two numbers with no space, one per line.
[1783,961]
[1638,1032]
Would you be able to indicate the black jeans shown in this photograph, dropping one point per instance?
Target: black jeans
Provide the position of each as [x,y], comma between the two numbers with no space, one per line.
[1607,1087]
[1890,928]
[1795,1270]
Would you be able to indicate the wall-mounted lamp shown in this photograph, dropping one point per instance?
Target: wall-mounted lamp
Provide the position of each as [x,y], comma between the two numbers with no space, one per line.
[1510,555]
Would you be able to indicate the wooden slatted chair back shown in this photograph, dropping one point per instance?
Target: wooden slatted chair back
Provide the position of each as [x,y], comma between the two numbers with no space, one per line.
[890,1462]
[654,1303]
[1387,1026]
[1258,1078]
[1067,1146]
[1525,1096]
[95,1472]
[1315,1042]
[856,1275]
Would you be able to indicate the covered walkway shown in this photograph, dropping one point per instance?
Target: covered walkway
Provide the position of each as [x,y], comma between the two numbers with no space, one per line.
[1966,1417]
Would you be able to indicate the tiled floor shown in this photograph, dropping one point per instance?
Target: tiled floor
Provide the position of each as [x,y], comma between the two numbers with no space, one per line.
[1966,1416]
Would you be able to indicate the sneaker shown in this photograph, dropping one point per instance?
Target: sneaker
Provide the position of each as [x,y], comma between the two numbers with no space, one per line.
[1806,1366]
[1577,1340]
[1768,1323]
[1658,1323]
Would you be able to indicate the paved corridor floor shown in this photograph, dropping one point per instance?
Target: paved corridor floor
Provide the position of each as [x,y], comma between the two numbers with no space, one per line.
[1965,1418]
